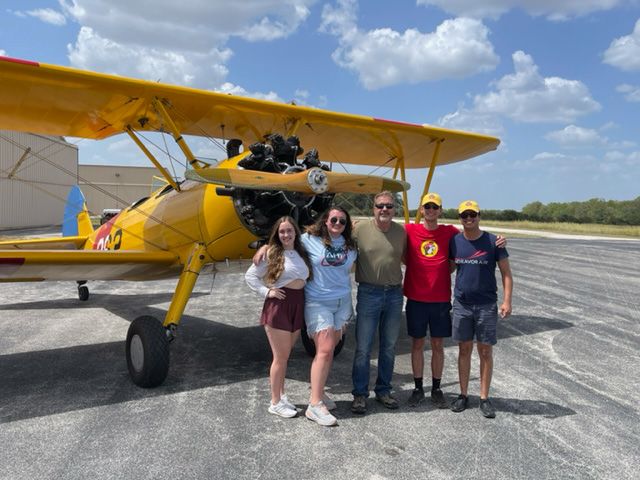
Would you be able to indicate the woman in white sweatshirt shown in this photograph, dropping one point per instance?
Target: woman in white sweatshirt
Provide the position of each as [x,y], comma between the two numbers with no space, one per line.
[280,278]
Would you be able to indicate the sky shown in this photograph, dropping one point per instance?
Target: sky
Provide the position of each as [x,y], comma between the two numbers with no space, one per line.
[557,81]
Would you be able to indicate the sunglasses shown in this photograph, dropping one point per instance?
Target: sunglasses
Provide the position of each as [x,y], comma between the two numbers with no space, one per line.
[431,206]
[469,214]
[334,220]
[388,206]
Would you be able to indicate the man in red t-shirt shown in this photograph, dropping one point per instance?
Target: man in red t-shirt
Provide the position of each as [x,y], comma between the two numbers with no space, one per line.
[427,286]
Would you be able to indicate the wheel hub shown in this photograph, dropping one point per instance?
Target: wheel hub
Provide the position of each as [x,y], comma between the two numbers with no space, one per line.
[137,353]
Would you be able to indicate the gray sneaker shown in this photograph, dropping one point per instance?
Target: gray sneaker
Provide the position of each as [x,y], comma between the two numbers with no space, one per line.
[460,404]
[487,408]
[437,397]
[387,400]
[416,398]
[319,414]
[359,405]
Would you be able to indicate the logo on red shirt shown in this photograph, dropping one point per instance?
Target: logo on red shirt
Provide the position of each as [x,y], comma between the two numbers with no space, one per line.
[429,248]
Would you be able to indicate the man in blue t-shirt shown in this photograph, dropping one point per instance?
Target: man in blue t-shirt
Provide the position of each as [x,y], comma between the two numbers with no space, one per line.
[475,310]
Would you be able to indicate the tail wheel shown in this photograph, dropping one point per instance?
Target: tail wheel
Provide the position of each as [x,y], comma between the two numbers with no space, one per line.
[310,346]
[147,352]
[83,293]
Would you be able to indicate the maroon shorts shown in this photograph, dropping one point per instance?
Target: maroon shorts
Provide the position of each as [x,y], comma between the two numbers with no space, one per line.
[287,314]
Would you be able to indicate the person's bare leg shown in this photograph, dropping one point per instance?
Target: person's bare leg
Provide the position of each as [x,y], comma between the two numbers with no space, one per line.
[325,341]
[464,365]
[280,342]
[485,352]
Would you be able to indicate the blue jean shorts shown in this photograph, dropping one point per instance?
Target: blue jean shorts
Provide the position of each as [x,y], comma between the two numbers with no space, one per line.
[323,314]
[475,321]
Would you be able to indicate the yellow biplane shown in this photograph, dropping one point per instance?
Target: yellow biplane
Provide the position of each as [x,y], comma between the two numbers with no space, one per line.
[218,212]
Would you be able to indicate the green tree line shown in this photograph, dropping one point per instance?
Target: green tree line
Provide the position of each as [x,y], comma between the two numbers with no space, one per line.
[596,210]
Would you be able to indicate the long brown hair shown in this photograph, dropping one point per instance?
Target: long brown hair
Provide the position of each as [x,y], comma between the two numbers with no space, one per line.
[319,228]
[275,252]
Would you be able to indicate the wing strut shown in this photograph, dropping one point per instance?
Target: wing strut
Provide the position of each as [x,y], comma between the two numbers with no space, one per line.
[177,136]
[432,169]
[150,156]
[19,162]
[400,168]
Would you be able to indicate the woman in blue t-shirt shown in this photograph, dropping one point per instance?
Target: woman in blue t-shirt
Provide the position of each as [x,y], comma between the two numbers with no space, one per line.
[328,305]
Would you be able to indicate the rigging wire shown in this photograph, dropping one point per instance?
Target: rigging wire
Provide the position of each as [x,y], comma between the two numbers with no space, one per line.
[99,189]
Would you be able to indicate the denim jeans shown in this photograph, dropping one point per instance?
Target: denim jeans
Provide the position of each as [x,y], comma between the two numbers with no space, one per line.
[379,309]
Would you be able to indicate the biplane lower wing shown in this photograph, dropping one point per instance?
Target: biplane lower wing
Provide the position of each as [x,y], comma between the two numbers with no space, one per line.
[39,265]
[51,243]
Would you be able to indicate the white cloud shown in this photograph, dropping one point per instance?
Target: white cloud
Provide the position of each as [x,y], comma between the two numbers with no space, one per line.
[632,92]
[552,9]
[93,52]
[624,52]
[526,96]
[232,89]
[466,119]
[3,53]
[556,165]
[617,161]
[383,57]
[48,15]
[574,136]
[193,25]
[182,42]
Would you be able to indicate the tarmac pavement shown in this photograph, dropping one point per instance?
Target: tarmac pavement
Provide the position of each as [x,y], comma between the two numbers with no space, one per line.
[564,386]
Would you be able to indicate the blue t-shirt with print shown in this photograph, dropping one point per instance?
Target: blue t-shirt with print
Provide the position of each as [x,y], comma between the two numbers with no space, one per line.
[331,268]
[476,262]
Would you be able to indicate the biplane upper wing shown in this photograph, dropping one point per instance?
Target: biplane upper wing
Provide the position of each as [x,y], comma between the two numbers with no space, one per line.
[38,265]
[48,99]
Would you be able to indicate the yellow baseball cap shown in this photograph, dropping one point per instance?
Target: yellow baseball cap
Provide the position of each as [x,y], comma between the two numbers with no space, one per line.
[431,198]
[468,205]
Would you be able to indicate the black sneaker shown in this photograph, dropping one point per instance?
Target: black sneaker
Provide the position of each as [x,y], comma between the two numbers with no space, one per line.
[387,400]
[359,405]
[460,404]
[416,398]
[437,397]
[487,409]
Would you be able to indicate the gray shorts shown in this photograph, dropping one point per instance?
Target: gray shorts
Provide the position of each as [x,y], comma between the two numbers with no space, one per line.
[475,321]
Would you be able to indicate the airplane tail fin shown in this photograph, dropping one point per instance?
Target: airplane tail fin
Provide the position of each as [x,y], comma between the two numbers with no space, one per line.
[76,221]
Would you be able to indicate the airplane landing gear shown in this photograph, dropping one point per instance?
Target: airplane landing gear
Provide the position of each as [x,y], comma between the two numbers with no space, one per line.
[83,291]
[310,346]
[147,352]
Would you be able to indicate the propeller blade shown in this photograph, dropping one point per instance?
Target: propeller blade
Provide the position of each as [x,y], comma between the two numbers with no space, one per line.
[312,181]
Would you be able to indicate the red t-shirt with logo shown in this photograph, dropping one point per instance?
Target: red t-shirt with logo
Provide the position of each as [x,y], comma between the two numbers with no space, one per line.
[427,277]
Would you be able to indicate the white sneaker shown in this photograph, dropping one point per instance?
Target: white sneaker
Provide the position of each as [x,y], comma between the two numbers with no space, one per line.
[319,414]
[330,404]
[282,410]
[284,399]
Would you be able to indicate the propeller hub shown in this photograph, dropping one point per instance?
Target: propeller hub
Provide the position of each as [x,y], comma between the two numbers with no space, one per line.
[317,179]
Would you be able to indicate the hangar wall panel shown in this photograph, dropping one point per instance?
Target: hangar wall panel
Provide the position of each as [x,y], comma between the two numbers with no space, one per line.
[108,186]
[36,194]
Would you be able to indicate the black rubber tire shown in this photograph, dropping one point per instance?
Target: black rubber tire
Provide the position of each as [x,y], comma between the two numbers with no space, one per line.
[83,293]
[147,352]
[310,346]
